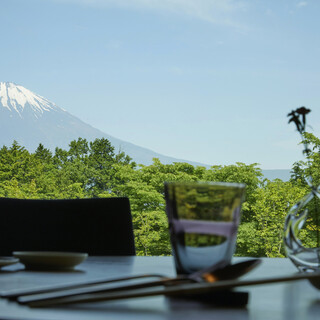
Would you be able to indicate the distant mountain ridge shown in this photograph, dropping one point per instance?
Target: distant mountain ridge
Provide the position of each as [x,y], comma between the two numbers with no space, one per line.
[31,119]
[282,174]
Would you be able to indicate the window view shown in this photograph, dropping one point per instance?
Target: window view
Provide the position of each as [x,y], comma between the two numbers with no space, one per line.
[113,98]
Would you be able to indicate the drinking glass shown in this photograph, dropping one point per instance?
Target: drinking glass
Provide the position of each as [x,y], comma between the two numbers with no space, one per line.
[203,222]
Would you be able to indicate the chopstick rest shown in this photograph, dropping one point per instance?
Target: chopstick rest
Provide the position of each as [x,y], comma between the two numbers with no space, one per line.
[223,298]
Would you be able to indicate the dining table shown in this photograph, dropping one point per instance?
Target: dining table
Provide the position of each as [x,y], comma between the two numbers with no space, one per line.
[288,300]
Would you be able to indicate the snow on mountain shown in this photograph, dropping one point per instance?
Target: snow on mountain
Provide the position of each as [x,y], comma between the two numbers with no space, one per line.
[16,98]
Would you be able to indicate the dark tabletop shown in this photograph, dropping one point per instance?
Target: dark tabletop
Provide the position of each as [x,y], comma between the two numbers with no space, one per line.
[296,300]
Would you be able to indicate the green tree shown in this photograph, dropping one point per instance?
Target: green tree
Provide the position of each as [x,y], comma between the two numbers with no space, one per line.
[92,169]
[147,206]
[308,172]
[272,204]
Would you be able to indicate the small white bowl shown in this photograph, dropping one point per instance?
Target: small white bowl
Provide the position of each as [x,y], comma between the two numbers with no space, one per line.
[7,261]
[50,260]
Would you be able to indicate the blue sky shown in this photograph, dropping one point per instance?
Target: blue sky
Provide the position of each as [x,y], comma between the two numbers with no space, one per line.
[204,80]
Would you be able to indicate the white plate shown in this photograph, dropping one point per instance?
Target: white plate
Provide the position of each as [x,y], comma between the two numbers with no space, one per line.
[50,260]
[6,261]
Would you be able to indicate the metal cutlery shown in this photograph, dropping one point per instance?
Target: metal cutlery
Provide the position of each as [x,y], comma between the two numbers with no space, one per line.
[178,290]
[204,275]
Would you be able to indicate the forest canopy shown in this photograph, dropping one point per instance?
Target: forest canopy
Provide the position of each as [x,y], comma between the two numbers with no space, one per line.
[94,169]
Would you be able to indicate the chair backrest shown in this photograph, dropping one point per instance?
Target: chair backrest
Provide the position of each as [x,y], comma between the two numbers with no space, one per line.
[97,226]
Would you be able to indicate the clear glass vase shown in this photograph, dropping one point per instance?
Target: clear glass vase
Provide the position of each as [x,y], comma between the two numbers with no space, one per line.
[304,215]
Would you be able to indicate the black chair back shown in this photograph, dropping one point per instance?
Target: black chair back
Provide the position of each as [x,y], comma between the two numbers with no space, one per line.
[100,226]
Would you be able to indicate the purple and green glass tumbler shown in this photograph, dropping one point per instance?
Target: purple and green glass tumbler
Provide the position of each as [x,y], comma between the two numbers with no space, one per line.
[203,223]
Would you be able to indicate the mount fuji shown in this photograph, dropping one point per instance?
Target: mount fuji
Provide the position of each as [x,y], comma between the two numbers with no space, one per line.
[31,119]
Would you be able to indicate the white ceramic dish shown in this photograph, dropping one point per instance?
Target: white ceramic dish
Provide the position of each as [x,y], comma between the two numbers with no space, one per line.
[50,260]
[7,261]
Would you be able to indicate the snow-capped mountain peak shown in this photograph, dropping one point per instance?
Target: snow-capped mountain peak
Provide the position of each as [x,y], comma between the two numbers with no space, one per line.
[17,98]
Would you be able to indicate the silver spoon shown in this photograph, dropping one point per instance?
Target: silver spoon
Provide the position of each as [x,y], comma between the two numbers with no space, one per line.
[205,275]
